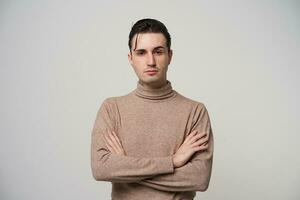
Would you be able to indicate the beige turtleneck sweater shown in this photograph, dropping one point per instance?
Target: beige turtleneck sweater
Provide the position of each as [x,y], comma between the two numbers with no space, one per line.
[151,124]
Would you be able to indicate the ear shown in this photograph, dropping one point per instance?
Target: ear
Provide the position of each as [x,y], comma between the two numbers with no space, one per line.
[170,55]
[130,57]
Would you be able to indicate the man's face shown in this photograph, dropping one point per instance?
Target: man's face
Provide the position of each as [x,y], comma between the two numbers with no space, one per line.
[151,53]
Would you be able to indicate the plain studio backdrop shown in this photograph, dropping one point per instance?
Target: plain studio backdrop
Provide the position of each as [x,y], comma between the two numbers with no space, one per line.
[60,59]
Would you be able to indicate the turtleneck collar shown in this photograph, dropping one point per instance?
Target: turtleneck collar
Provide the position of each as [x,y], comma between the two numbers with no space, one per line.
[164,92]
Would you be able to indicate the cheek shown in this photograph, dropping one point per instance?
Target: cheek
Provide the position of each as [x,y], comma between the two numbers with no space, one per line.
[138,66]
[164,60]
[138,62]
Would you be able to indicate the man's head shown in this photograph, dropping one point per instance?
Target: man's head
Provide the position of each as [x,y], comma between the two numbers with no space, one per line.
[150,49]
[148,26]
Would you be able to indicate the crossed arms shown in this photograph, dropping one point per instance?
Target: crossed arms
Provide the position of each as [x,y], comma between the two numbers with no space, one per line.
[109,161]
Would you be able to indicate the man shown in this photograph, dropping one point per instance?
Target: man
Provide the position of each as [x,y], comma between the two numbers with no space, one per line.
[152,143]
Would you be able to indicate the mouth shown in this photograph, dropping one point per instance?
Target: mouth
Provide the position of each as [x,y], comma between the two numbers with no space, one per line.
[151,72]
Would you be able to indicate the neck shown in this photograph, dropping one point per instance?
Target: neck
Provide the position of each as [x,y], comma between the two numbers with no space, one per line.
[157,92]
[155,85]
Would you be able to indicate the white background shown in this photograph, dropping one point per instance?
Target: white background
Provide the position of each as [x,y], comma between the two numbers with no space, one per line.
[60,59]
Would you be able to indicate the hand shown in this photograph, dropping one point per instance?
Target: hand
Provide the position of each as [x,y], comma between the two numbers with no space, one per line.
[113,143]
[193,142]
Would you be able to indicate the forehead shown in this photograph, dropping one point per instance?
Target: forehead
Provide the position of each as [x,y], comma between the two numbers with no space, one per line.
[148,40]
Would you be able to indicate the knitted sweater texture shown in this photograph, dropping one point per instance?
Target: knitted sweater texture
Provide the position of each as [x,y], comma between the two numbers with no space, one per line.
[151,124]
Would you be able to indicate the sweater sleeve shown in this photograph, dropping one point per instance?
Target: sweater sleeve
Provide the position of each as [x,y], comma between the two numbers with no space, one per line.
[107,166]
[195,174]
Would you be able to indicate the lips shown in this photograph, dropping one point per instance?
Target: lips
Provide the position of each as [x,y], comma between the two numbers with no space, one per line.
[151,71]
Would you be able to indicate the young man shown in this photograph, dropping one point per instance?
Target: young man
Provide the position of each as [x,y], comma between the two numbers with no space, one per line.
[152,143]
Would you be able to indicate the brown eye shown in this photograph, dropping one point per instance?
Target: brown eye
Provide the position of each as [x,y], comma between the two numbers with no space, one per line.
[140,53]
[158,52]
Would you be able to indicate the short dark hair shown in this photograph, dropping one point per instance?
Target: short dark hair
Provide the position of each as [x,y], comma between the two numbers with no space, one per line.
[148,25]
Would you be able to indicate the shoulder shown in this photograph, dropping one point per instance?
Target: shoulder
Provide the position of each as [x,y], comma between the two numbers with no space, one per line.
[109,101]
[115,101]
[194,104]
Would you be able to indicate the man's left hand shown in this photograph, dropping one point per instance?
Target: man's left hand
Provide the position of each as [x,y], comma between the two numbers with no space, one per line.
[113,143]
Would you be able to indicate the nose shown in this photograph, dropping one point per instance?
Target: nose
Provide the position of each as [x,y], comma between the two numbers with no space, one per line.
[151,60]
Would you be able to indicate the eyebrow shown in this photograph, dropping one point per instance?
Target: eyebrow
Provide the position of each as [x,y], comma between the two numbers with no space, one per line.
[155,48]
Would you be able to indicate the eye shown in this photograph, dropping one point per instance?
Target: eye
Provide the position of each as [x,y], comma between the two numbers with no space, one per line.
[159,52]
[140,53]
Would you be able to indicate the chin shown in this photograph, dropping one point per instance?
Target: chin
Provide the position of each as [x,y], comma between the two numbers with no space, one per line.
[150,80]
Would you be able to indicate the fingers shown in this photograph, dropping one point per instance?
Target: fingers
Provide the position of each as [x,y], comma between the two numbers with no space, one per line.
[190,136]
[194,136]
[201,141]
[198,141]
[110,148]
[201,147]
[113,141]
[117,139]
[119,144]
[109,143]
[199,136]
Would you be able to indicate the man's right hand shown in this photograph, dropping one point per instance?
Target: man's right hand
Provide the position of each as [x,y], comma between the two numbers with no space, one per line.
[193,142]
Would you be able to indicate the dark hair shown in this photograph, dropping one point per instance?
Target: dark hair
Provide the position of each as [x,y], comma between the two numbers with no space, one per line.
[149,26]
